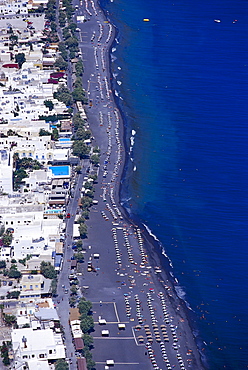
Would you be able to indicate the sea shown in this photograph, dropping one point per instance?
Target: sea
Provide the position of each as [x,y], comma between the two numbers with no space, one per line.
[180,80]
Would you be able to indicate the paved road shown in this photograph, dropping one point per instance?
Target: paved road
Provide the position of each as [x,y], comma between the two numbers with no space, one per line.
[125,287]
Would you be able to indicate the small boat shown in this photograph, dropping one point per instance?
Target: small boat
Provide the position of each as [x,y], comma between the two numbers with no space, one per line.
[217,20]
[146,19]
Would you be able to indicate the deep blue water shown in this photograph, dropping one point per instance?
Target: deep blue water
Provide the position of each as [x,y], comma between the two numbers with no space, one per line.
[184,85]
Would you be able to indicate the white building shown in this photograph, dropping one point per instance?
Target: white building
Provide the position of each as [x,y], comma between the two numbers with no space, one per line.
[6,170]
[36,346]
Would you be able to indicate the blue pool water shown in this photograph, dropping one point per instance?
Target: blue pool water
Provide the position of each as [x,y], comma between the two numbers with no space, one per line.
[184,90]
[64,139]
[60,170]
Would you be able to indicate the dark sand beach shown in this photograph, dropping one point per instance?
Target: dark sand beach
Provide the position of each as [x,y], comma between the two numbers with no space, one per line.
[127,285]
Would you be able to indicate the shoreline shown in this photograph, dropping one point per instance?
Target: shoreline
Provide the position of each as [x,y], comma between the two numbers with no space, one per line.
[176,303]
[151,242]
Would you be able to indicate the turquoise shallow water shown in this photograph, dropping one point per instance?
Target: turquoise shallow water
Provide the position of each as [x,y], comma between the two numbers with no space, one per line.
[184,91]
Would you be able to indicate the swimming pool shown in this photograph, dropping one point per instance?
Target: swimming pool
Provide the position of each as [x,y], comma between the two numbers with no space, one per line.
[64,139]
[60,170]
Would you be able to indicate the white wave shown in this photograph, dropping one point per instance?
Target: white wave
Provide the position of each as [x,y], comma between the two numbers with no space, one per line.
[180,292]
[119,82]
[113,50]
[132,141]
[150,233]
[168,258]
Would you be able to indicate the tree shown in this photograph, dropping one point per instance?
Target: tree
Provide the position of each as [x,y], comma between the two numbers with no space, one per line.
[54,286]
[80,149]
[85,214]
[78,169]
[83,230]
[88,185]
[15,274]
[7,238]
[82,133]
[20,59]
[9,319]
[63,94]
[71,42]
[61,365]
[87,324]
[49,104]
[60,64]
[88,341]
[77,82]
[73,290]
[43,132]
[86,202]
[79,68]
[95,159]
[14,294]
[93,177]
[55,134]
[2,264]
[26,326]
[78,94]
[5,354]
[47,270]
[96,149]
[79,256]
[63,51]
[72,301]
[84,306]
[78,121]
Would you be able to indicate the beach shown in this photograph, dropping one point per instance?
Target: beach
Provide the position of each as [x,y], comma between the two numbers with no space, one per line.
[127,285]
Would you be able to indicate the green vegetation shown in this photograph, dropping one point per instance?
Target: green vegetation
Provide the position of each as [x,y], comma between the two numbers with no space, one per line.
[60,64]
[7,238]
[95,159]
[49,104]
[63,94]
[43,132]
[77,121]
[13,272]
[2,264]
[63,51]
[84,307]
[20,59]
[80,149]
[55,134]
[79,68]
[14,295]
[78,94]
[10,320]
[54,286]
[5,353]
[22,165]
[54,117]
[61,365]
[47,270]
[62,18]
[82,134]
[79,256]
[88,341]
